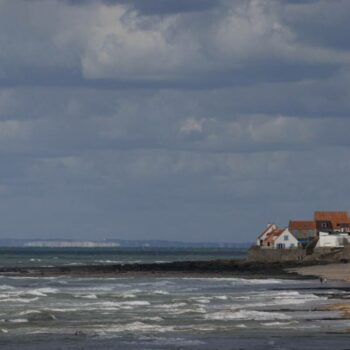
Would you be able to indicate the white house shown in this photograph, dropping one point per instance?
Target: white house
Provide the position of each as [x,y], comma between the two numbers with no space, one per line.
[261,238]
[285,240]
[332,240]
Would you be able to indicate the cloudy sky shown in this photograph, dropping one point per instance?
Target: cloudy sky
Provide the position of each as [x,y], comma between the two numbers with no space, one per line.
[197,120]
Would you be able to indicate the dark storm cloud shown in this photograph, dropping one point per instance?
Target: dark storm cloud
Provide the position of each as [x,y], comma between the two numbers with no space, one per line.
[196,119]
[321,23]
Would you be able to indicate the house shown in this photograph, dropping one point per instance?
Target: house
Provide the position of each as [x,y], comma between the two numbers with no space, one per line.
[327,229]
[269,241]
[285,240]
[332,221]
[304,231]
[276,238]
[327,240]
[261,238]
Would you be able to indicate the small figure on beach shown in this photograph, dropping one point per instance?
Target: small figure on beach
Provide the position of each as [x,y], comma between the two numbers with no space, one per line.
[323,280]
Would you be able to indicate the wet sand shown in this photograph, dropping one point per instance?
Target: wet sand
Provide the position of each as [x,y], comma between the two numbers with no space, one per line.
[340,272]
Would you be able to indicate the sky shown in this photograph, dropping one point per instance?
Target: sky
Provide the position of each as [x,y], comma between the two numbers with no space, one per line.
[195,120]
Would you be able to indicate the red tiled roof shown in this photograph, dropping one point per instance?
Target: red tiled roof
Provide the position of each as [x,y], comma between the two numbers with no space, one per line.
[335,217]
[268,227]
[331,215]
[302,225]
[272,235]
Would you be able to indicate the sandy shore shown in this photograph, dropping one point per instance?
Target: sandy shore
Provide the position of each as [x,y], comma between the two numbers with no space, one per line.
[340,272]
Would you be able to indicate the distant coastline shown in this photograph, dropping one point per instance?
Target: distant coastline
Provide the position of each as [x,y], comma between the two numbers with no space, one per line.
[115,243]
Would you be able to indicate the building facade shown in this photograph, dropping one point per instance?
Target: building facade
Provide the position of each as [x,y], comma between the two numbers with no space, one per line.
[327,229]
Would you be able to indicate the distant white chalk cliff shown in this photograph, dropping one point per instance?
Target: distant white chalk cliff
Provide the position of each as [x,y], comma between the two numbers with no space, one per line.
[71,244]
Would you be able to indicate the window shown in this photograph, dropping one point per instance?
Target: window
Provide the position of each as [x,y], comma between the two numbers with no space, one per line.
[286,238]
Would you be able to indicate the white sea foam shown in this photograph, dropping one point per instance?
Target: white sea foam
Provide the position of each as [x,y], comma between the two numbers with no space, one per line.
[161,292]
[6,287]
[236,281]
[152,318]
[19,300]
[128,295]
[73,264]
[116,304]
[19,320]
[42,292]
[273,298]
[3,330]
[246,315]
[29,312]
[202,300]
[241,325]
[86,296]
[171,306]
[62,310]
[279,324]
[199,310]
[138,327]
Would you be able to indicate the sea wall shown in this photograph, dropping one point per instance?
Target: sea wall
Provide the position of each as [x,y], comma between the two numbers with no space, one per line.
[323,255]
[275,255]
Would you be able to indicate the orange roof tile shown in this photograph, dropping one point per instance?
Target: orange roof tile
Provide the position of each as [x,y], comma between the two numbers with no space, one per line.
[273,235]
[331,215]
[335,217]
[268,228]
[302,225]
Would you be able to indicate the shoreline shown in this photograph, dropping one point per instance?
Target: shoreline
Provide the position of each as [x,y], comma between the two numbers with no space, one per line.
[211,268]
[332,271]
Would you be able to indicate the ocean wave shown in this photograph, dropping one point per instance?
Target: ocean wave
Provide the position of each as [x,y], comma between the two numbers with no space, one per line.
[115,305]
[18,320]
[279,324]
[138,327]
[28,312]
[69,309]
[6,287]
[19,300]
[198,310]
[85,296]
[236,281]
[151,318]
[42,292]
[160,292]
[171,306]
[246,315]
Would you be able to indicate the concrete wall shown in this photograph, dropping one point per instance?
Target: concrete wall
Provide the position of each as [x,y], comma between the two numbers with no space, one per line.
[275,255]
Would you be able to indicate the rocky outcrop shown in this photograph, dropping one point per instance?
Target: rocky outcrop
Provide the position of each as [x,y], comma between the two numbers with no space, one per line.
[247,269]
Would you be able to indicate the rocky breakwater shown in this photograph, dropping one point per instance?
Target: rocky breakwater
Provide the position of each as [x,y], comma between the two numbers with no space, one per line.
[210,268]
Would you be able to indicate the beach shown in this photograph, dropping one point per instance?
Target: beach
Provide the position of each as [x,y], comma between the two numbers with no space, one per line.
[330,271]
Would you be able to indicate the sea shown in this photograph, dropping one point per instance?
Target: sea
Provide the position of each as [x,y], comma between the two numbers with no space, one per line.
[174,312]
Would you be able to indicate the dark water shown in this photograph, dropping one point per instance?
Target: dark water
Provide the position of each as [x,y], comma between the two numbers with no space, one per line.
[16,257]
[165,313]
